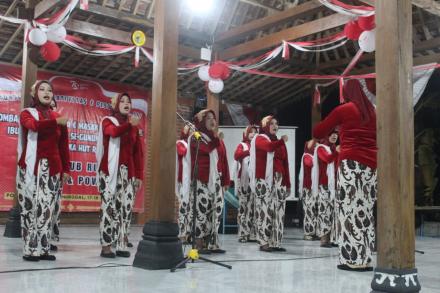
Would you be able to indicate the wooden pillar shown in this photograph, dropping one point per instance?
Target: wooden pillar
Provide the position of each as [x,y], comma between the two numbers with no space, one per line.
[161,248]
[213,103]
[395,270]
[28,78]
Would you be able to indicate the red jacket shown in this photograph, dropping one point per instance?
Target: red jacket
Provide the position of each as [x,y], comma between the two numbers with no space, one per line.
[358,142]
[281,164]
[240,154]
[130,151]
[203,159]
[181,152]
[308,164]
[222,165]
[262,147]
[52,144]
[324,158]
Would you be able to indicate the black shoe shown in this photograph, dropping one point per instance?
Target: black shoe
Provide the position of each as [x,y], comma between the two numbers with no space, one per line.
[334,244]
[361,269]
[129,244]
[278,249]
[47,257]
[108,254]
[242,240]
[53,247]
[204,251]
[326,245]
[123,253]
[266,249]
[31,258]
[252,240]
[218,250]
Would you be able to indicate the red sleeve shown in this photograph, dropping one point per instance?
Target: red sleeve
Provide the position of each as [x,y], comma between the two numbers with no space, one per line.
[240,154]
[205,148]
[328,124]
[286,175]
[226,178]
[266,145]
[181,149]
[64,149]
[324,156]
[308,161]
[115,131]
[138,157]
[41,126]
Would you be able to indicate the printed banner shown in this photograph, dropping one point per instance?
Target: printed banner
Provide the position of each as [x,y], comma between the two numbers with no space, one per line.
[84,102]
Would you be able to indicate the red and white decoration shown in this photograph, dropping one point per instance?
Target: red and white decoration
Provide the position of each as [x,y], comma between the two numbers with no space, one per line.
[351,10]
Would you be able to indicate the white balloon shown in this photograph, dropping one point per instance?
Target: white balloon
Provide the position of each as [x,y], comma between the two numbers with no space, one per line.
[37,37]
[203,72]
[367,41]
[57,35]
[216,85]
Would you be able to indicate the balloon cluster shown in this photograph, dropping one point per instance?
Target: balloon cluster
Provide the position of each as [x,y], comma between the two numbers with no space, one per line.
[215,74]
[362,30]
[49,50]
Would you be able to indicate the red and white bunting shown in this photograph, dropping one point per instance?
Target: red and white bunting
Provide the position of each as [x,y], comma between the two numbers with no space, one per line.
[351,10]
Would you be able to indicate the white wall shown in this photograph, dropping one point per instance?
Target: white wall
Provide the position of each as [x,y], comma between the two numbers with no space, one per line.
[234,135]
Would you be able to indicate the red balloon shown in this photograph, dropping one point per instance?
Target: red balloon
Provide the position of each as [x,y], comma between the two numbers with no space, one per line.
[50,51]
[226,72]
[367,23]
[352,30]
[216,70]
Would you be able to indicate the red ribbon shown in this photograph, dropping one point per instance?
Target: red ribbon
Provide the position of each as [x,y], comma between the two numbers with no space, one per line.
[321,41]
[350,7]
[286,51]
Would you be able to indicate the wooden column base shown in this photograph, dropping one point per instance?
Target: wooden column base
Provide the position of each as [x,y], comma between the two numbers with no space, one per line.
[394,280]
[13,225]
[160,248]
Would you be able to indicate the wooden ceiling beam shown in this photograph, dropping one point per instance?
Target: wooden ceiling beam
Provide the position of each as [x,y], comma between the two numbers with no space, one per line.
[8,12]
[266,22]
[116,35]
[142,21]
[11,39]
[119,15]
[422,46]
[306,29]
[261,5]
[430,6]
[299,95]
[44,6]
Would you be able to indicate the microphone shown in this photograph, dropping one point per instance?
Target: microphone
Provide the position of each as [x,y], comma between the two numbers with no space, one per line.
[197,135]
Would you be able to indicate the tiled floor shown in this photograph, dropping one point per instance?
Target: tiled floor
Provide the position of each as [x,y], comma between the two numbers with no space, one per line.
[303,268]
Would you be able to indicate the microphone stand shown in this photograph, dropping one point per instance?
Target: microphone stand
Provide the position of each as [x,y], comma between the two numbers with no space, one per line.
[193,254]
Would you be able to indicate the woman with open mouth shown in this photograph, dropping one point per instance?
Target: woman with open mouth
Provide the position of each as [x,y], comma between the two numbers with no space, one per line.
[212,179]
[270,181]
[43,152]
[120,164]
[246,199]
[182,186]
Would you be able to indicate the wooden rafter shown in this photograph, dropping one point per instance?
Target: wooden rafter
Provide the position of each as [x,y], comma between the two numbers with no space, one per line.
[44,6]
[292,33]
[8,12]
[261,5]
[99,31]
[108,66]
[11,39]
[269,21]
